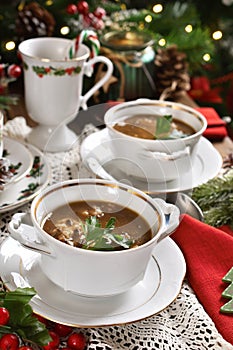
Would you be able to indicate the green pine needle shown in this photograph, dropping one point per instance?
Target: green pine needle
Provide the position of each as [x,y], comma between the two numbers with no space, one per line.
[6,101]
[215,198]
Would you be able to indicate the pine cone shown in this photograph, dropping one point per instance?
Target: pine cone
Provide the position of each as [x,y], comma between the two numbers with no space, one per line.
[34,21]
[172,76]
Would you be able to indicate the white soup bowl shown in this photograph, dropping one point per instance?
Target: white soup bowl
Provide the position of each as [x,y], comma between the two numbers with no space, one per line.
[88,272]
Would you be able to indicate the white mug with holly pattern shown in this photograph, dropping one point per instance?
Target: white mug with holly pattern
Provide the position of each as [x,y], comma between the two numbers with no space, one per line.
[53,84]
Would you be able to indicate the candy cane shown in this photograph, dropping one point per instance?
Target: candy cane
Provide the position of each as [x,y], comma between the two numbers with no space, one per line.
[91,37]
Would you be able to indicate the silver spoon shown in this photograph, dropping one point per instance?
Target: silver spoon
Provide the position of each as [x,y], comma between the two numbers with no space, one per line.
[188,206]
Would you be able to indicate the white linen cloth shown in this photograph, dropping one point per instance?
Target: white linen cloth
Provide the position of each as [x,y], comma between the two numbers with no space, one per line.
[184,325]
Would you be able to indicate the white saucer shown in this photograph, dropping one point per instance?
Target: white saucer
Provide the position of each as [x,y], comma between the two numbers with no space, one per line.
[22,191]
[205,166]
[19,156]
[20,267]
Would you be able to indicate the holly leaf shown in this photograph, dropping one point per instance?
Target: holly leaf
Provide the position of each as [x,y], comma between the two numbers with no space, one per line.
[20,295]
[22,320]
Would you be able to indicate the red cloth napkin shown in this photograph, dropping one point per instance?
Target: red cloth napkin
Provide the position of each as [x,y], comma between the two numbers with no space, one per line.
[216,129]
[209,256]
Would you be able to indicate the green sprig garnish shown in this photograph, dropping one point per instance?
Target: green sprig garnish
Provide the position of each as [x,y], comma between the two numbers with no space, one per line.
[215,198]
[163,127]
[22,321]
[164,130]
[99,238]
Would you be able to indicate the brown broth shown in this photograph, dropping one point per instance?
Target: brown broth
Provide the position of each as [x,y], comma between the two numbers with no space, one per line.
[144,127]
[64,223]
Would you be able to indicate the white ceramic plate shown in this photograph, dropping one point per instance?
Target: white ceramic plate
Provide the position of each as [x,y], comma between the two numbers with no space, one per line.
[22,191]
[205,166]
[20,267]
[19,157]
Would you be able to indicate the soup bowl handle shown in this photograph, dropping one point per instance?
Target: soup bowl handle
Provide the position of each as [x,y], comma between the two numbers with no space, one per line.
[172,218]
[166,156]
[22,230]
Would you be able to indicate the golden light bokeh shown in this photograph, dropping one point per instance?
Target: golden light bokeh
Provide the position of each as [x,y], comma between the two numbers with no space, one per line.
[157,8]
[148,18]
[188,28]
[162,42]
[206,57]
[65,30]
[217,35]
[10,45]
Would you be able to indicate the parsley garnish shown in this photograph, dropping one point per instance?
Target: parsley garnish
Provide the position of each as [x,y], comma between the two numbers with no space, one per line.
[104,238]
[163,127]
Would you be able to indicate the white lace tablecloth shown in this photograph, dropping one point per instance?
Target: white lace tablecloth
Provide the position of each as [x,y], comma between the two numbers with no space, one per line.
[184,325]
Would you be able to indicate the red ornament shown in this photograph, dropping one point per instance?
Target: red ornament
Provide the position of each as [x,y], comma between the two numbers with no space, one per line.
[71,9]
[76,341]
[14,71]
[83,7]
[99,12]
[87,20]
[25,348]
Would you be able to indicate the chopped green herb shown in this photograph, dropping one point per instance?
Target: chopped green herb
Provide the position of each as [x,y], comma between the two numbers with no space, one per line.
[163,127]
[103,238]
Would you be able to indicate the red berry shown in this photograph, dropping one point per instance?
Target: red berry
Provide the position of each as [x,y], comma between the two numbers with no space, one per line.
[62,330]
[4,316]
[53,343]
[14,71]
[9,342]
[42,319]
[83,7]
[71,9]
[76,341]
[70,70]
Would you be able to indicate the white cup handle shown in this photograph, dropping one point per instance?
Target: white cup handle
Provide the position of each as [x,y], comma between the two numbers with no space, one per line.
[165,156]
[88,71]
[172,215]
[22,230]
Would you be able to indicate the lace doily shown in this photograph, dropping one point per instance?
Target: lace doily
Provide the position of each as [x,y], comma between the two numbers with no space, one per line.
[184,325]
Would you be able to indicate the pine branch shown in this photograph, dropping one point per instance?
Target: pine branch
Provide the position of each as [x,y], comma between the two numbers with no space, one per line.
[215,199]
[6,101]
